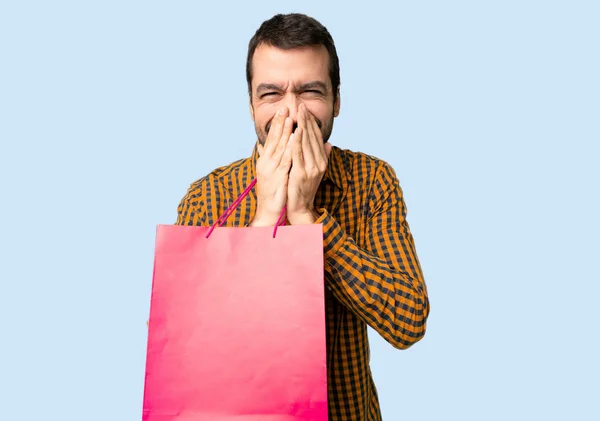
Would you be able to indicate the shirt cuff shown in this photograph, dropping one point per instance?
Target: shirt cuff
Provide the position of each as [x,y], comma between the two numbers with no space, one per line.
[333,234]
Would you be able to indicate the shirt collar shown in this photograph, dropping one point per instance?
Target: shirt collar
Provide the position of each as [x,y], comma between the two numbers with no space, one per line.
[335,168]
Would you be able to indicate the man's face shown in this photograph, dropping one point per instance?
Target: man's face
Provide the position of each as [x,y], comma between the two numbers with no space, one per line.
[289,78]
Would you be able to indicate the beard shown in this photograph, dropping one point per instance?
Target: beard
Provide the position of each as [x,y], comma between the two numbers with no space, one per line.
[326,129]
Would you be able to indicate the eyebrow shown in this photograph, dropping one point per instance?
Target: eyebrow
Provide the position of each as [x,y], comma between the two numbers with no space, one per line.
[305,86]
[313,85]
[268,87]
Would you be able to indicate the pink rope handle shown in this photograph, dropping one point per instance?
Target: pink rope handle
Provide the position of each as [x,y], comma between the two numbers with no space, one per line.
[221,221]
[225,216]
[280,221]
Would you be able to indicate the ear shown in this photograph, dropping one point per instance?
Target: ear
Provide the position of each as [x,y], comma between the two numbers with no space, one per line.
[251,109]
[337,104]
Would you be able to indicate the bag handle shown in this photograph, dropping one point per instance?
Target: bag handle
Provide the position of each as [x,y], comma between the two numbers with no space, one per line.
[225,216]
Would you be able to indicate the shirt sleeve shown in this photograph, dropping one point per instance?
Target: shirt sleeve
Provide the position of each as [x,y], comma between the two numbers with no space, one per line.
[381,281]
[191,209]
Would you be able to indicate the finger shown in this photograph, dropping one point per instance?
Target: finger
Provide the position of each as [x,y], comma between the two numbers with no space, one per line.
[286,159]
[318,133]
[320,149]
[307,152]
[297,156]
[275,131]
[260,148]
[283,141]
[316,139]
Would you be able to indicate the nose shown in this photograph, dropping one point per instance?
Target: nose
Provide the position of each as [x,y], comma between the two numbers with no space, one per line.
[292,102]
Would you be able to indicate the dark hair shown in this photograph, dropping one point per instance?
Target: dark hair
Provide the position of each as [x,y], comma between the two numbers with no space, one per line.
[294,30]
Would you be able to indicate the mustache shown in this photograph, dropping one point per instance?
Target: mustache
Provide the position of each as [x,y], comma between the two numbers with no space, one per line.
[294,126]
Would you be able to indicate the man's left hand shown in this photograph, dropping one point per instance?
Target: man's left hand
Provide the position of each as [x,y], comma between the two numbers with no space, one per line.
[309,163]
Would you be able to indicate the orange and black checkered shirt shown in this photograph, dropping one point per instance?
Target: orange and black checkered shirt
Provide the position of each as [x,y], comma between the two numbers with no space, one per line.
[372,272]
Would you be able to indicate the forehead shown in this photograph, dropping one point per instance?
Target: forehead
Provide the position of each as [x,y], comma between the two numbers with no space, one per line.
[274,65]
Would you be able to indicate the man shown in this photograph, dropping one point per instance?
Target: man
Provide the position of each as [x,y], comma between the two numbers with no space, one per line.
[372,273]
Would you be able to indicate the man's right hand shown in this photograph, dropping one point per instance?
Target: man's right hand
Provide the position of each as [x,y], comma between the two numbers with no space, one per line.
[272,171]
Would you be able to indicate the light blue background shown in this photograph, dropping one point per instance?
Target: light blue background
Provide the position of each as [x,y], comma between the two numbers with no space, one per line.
[488,111]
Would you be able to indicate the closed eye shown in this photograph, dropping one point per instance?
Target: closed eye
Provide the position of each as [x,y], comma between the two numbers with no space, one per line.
[313,92]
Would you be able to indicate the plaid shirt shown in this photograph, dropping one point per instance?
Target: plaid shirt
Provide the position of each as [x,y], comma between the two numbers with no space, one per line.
[372,272]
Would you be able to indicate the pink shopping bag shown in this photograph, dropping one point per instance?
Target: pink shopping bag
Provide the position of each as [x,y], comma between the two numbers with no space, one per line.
[237,325]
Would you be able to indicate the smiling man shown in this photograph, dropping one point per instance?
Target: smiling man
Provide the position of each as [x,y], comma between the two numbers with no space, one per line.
[372,272]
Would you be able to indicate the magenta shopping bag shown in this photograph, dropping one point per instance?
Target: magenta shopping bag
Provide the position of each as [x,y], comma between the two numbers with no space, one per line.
[237,325]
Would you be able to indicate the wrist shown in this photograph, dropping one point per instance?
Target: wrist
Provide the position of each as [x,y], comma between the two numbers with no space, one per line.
[262,219]
[263,222]
[306,217]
